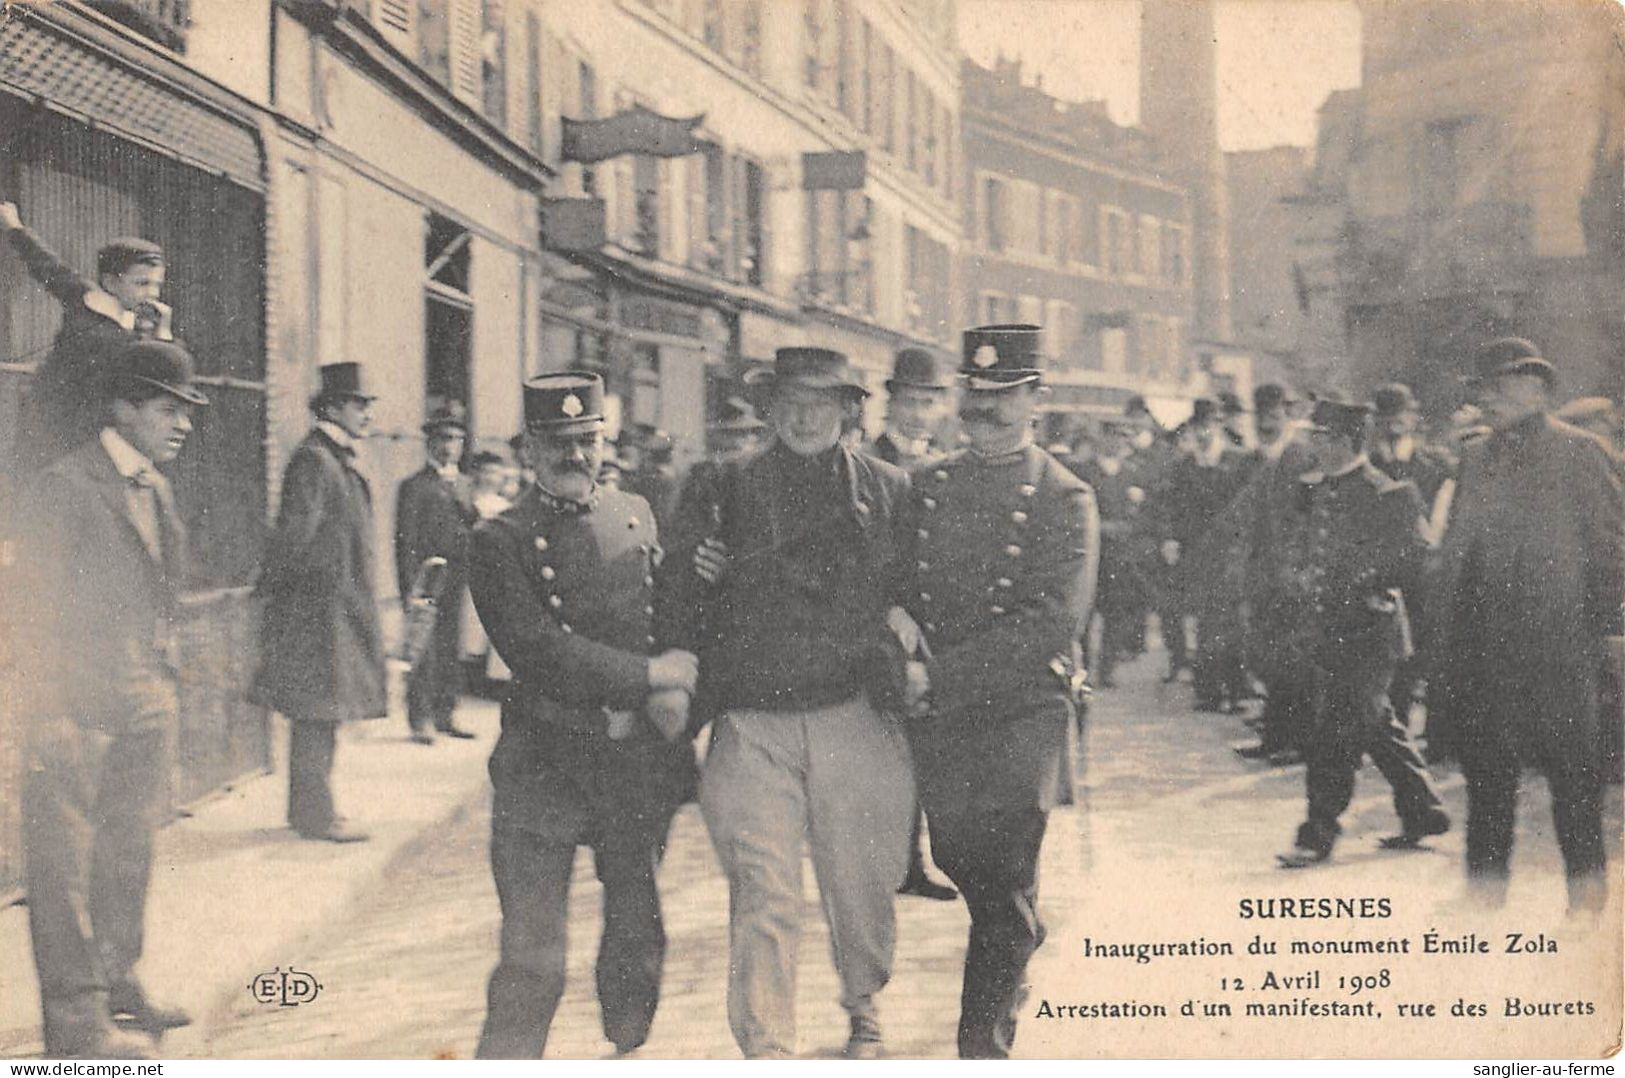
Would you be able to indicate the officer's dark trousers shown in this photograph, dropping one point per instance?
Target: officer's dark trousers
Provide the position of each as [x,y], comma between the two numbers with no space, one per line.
[437,679]
[91,800]
[992,857]
[1353,719]
[1289,704]
[533,888]
[311,747]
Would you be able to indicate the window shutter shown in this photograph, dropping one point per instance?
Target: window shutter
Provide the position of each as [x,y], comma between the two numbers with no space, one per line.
[466,77]
[397,21]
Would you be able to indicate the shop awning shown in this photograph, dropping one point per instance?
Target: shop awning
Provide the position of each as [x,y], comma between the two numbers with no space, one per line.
[69,72]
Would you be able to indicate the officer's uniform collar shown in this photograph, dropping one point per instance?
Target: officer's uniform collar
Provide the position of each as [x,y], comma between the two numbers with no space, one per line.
[567,506]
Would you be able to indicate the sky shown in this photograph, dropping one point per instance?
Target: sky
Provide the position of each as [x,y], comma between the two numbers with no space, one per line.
[1277,59]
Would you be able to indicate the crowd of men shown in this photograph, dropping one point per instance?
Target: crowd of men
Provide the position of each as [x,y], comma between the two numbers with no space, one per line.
[870,635]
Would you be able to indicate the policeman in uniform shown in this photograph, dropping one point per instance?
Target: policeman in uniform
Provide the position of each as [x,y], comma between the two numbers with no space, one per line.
[591,751]
[1007,543]
[434,512]
[1351,546]
[918,395]
[1119,492]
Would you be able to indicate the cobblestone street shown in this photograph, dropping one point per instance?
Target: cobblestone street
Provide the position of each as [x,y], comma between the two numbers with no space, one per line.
[1170,815]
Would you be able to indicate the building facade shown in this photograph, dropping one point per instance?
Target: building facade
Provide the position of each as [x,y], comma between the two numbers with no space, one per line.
[1068,224]
[1483,193]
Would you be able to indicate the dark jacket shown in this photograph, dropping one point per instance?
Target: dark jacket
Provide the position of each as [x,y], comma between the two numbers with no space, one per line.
[433,517]
[321,648]
[798,619]
[63,407]
[889,451]
[1532,580]
[1329,564]
[566,597]
[102,610]
[1004,555]
[1428,467]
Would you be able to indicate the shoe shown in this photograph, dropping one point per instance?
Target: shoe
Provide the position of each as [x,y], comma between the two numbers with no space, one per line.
[453,730]
[131,1001]
[1436,822]
[1260,751]
[864,1042]
[338,831]
[1303,856]
[920,885]
[81,1028]
[422,737]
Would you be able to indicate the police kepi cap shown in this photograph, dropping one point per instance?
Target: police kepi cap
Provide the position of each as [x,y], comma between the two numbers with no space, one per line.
[1002,356]
[564,403]
[152,364]
[341,381]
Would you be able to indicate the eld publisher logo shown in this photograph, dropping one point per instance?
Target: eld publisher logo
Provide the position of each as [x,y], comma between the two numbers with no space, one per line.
[284,987]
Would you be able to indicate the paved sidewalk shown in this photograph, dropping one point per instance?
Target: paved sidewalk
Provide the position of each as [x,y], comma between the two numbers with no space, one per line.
[235,893]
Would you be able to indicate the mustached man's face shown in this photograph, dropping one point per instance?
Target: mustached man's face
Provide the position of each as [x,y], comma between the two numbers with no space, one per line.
[807,420]
[998,420]
[567,464]
[157,427]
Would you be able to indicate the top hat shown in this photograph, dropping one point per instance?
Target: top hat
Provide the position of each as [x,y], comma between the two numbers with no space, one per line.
[340,381]
[737,416]
[162,365]
[451,415]
[817,368]
[916,368]
[1393,398]
[564,403]
[120,254]
[1203,409]
[1230,404]
[1272,395]
[1339,417]
[1002,357]
[1136,405]
[1512,355]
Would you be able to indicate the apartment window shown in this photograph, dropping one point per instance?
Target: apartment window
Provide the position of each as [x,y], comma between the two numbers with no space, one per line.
[928,153]
[886,108]
[1030,309]
[1149,248]
[751,229]
[1060,332]
[1026,216]
[843,58]
[750,36]
[910,157]
[995,214]
[926,271]
[533,82]
[708,232]
[945,141]
[1085,239]
[494,62]
[646,204]
[1060,226]
[1117,253]
[711,25]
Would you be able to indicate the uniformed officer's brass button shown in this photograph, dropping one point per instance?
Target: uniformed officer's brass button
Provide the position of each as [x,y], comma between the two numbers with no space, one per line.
[925,597]
[1019,517]
[922,566]
[929,503]
[995,610]
[930,626]
[649,610]
[1028,490]
[1004,582]
[541,543]
[554,601]
[564,625]
[1013,550]
[923,534]
[940,474]
[648,581]
[548,573]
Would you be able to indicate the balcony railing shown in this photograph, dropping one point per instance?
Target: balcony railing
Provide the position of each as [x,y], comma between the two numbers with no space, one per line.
[1483,247]
[163,21]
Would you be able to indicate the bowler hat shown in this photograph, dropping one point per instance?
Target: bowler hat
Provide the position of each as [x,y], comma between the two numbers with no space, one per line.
[1339,417]
[1272,395]
[340,381]
[817,368]
[120,254]
[564,403]
[153,364]
[1393,398]
[916,368]
[1203,409]
[1512,355]
[1230,404]
[451,415]
[1002,356]
[736,415]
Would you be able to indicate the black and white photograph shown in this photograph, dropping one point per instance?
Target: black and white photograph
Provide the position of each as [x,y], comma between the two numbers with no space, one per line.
[826,530]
